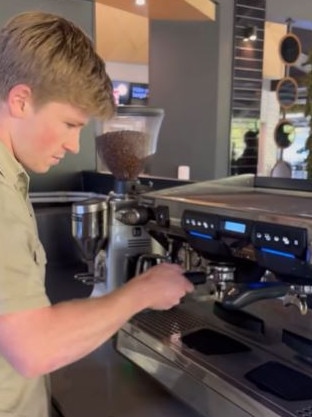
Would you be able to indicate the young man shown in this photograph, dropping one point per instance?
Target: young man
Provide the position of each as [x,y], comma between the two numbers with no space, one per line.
[51,83]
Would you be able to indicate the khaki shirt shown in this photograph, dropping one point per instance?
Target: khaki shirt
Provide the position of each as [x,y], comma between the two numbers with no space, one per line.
[22,271]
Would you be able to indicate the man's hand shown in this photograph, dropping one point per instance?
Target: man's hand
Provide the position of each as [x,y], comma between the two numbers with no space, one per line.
[163,286]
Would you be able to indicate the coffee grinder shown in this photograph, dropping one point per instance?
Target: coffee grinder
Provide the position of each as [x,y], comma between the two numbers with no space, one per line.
[109,229]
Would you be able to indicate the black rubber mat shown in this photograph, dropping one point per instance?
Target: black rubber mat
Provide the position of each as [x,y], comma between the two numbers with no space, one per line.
[210,342]
[239,318]
[282,381]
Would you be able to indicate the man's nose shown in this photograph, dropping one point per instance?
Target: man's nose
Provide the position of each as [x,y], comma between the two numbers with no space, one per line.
[72,144]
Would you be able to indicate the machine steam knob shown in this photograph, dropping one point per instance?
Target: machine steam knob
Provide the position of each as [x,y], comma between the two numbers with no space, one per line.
[133,216]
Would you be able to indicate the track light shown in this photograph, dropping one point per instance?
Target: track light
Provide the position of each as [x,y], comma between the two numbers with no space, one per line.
[250,33]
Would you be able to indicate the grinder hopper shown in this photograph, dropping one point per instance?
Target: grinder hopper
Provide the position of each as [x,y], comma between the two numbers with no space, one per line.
[128,140]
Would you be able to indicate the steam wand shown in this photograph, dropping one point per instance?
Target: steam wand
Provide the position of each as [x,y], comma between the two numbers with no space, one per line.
[298,296]
[241,295]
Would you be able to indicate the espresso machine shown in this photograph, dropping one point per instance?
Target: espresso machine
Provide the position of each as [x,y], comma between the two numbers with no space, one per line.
[108,229]
[241,344]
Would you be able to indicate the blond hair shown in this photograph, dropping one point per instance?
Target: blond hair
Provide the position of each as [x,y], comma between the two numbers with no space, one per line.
[57,61]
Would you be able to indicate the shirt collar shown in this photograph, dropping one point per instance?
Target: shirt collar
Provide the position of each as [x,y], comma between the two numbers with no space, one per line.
[13,171]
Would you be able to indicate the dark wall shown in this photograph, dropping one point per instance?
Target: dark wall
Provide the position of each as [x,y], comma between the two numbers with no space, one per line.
[64,176]
[190,77]
[280,10]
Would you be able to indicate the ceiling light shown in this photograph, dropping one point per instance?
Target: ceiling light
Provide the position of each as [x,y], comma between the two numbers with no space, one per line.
[250,33]
[140,2]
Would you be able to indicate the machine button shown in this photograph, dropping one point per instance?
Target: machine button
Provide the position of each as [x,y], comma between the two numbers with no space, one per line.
[286,241]
[267,237]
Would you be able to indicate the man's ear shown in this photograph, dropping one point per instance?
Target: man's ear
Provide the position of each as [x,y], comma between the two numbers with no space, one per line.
[19,100]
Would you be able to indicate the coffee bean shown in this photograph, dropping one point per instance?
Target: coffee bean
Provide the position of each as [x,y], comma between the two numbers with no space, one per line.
[124,152]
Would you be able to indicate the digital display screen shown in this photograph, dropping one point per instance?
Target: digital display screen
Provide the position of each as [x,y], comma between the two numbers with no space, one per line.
[236,227]
[139,93]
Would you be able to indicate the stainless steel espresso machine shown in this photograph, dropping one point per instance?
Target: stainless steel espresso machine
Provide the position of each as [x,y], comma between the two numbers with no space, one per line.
[108,229]
[241,344]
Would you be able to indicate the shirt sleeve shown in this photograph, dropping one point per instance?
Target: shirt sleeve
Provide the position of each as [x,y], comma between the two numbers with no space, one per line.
[22,257]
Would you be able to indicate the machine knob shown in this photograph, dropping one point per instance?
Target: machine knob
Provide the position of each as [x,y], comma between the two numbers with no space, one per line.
[133,216]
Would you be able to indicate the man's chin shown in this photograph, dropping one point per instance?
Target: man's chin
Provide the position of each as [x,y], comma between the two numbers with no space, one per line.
[40,170]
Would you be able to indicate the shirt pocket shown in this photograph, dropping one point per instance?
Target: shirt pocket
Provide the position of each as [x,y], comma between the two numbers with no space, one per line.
[40,257]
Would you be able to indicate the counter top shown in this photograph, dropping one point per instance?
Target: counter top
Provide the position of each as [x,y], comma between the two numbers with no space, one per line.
[104,384]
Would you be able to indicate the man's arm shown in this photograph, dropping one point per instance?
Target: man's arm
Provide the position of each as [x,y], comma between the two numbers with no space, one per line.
[39,341]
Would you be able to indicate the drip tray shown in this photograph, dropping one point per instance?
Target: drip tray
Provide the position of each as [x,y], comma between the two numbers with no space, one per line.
[210,342]
[282,381]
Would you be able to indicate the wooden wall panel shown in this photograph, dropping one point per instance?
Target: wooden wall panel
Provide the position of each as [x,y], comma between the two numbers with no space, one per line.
[121,36]
[273,67]
[168,9]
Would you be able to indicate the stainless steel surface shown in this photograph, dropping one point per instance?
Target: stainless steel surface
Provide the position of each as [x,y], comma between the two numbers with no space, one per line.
[104,384]
[60,197]
[89,229]
[89,225]
[265,236]
[153,341]
[124,245]
[146,261]
[273,221]
[109,246]
[215,385]
[294,207]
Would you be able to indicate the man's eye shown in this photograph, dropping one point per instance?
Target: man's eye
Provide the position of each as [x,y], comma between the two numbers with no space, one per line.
[70,125]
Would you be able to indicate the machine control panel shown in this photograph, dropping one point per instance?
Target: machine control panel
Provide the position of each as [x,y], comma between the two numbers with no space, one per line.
[279,239]
[276,239]
[200,225]
[203,224]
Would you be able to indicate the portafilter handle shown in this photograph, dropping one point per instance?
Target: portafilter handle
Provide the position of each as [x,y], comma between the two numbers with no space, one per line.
[146,261]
